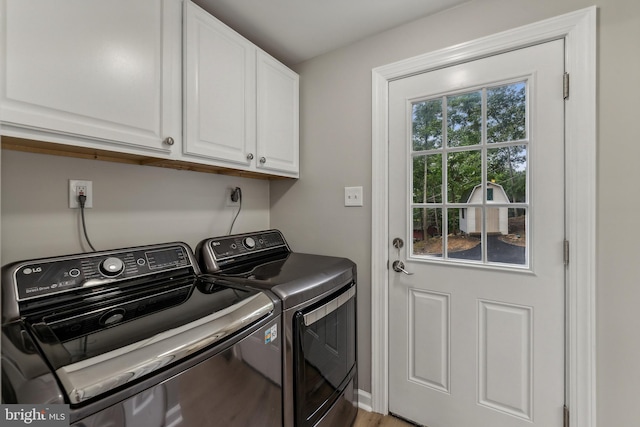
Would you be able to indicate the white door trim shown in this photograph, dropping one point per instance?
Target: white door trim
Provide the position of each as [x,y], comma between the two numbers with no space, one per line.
[578,29]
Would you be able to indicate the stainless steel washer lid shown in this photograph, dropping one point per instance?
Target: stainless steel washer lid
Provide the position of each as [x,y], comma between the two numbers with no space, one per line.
[92,377]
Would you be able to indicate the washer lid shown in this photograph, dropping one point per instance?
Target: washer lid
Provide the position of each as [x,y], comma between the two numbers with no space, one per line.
[92,377]
[94,348]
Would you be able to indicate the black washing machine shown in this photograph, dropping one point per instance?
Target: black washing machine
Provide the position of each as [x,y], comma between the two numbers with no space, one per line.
[133,338]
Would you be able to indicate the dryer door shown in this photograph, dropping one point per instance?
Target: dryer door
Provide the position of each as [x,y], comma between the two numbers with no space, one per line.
[324,354]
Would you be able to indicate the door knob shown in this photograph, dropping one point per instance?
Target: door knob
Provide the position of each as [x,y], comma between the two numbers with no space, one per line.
[398,267]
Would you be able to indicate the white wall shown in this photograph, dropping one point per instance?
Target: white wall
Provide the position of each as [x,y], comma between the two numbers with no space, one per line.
[133,205]
[336,152]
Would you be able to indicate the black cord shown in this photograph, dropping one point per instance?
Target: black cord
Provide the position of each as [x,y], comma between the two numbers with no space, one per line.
[238,194]
[81,200]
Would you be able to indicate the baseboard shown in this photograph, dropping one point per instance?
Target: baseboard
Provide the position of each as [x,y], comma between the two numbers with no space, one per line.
[364,400]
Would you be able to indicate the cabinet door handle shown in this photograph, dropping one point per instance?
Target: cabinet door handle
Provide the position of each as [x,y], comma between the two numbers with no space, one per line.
[250,156]
[263,160]
[169,141]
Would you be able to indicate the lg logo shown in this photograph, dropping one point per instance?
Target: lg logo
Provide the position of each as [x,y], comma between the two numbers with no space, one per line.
[32,270]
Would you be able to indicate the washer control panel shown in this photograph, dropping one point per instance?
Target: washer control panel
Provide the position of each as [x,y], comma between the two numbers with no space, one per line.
[38,278]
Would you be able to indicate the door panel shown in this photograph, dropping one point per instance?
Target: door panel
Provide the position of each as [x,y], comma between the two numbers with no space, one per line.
[476,154]
[504,358]
[429,348]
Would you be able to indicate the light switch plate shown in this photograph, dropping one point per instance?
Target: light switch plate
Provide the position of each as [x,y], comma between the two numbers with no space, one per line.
[353,196]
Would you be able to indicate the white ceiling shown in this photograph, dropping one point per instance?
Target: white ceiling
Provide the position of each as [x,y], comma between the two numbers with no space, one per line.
[297,30]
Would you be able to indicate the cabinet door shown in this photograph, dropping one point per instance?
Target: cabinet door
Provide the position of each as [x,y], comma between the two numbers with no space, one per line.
[92,71]
[219,108]
[277,143]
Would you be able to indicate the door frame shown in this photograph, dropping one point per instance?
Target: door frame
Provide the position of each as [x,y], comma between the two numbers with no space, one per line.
[578,29]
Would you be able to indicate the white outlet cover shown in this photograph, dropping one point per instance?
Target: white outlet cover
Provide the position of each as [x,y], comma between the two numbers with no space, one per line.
[73,195]
[353,196]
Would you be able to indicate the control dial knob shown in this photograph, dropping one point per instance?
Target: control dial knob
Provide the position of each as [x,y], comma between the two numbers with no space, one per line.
[249,242]
[111,266]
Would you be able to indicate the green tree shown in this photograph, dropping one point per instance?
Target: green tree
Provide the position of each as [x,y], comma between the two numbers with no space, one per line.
[506,121]
[427,169]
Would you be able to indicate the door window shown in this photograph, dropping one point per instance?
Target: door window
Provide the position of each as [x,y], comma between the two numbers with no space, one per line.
[469,175]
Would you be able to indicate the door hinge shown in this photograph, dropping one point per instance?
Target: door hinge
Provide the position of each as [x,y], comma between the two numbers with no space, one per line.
[566,252]
[565,85]
[565,417]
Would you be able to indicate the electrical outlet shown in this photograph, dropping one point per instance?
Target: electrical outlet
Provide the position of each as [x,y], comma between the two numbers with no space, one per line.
[228,195]
[78,187]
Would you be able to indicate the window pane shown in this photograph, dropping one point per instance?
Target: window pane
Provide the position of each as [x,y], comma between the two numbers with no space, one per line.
[427,125]
[464,170]
[465,231]
[464,213]
[506,235]
[507,167]
[464,119]
[427,179]
[506,113]
[427,225]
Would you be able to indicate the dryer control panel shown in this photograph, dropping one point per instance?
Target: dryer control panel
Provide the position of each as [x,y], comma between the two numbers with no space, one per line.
[224,251]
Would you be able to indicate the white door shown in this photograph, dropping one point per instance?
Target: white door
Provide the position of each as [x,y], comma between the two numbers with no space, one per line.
[476,331]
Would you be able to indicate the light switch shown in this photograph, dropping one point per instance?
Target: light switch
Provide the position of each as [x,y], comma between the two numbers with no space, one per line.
[353,196]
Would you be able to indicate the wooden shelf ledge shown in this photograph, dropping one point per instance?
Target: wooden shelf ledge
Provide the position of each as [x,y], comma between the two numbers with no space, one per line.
[42,147]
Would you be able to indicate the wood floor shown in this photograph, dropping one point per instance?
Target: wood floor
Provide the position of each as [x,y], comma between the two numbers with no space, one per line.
[369,419]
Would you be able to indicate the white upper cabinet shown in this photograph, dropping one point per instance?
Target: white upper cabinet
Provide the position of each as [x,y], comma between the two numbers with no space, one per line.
[161,80]
[241,105]
[90,73]
[277,100]
[219,106]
